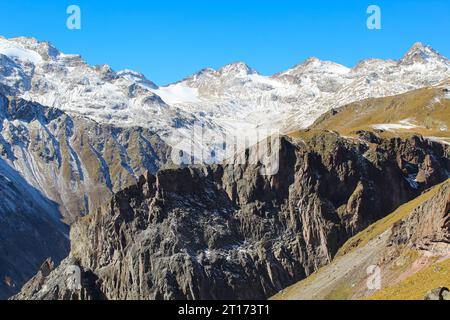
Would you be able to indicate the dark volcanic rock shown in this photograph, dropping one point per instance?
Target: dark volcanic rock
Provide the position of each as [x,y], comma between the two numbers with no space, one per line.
[228,232]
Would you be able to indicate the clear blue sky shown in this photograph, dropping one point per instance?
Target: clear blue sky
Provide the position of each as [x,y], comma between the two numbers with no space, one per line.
[170,39]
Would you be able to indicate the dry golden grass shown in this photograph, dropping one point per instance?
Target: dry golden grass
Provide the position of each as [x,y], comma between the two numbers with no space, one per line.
[422,107]
[417,286]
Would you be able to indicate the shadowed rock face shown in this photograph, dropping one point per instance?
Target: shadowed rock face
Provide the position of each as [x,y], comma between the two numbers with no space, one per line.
[228,232]
[410,249]
[30,231]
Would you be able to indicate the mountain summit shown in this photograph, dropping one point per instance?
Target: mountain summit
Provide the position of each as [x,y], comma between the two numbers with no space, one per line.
[236,69]
[420,53]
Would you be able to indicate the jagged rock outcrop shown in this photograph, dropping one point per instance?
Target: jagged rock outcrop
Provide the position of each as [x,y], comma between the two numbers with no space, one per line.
[222,232]
[62,283]
[427,228]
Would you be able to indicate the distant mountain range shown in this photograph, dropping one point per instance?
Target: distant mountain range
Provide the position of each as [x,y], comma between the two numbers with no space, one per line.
[234,99]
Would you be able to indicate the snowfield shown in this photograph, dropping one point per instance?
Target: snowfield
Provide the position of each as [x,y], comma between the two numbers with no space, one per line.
[177,94]
[19,52]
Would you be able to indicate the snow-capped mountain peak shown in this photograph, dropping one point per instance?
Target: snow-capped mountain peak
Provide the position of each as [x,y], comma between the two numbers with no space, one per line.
[38,72]
[236,69]
[420,53]
[137,77]
[370,65]
[315,65]
[28,49]
[17,50]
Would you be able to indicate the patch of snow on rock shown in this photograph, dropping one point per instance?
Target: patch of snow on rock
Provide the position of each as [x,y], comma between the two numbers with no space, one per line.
[401,125]
[18,51]
[443,140]
[177,93]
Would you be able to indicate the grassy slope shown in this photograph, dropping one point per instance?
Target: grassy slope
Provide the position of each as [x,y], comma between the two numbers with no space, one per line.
[424,107]
[342,291]
[417,286]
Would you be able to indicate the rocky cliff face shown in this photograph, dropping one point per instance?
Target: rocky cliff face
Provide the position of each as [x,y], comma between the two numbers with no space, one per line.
[427,228]
[59,165]
[222,232]
[410,249]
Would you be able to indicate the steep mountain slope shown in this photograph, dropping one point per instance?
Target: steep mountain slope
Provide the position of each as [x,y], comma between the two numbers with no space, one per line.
[219,232]
[411,248]
[424,111]
[74,161]
[63,166]
[30,231]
